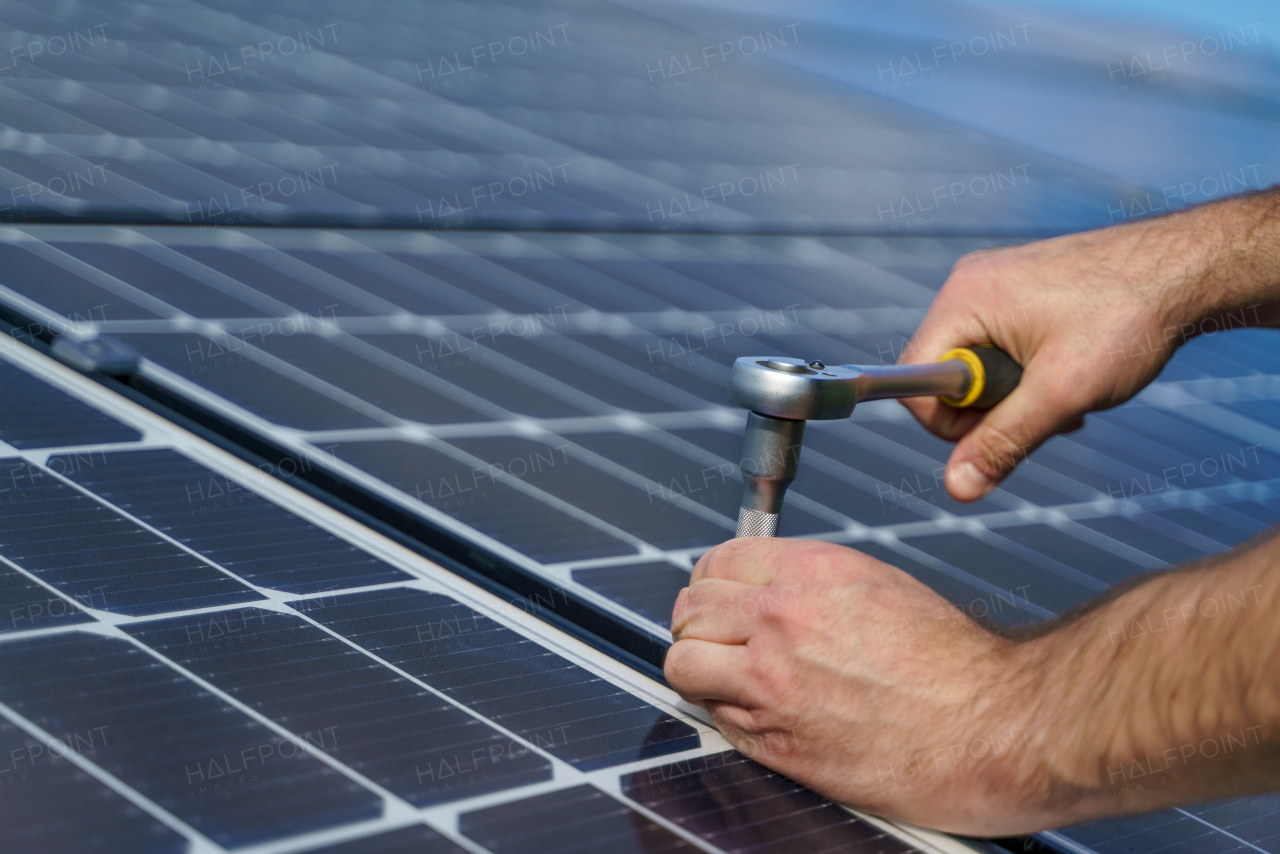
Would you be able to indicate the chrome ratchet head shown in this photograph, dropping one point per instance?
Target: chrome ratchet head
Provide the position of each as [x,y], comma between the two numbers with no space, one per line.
[794,389]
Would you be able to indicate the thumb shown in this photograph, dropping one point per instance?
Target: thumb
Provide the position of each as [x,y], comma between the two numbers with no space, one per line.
[1004,436]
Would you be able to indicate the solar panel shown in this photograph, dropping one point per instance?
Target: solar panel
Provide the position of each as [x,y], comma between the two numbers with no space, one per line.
[355,697]
[537,460]
[547,409]
[546,115]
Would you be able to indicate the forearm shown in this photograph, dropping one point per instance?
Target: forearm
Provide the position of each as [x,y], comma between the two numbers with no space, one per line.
[1166,694]
[1225,259]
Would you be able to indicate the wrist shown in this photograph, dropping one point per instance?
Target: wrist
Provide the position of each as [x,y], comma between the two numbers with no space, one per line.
[1051,784]
[1140,696]
[1014,719]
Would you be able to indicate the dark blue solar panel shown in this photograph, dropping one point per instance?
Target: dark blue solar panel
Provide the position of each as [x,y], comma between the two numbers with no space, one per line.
[1221,524]
[163,281]
[407,291]
[1016,577]
[578,367]
[459,361]
[1246,825]
[1064,548]
[212,766]
[245,267]
[869,501]
[998,605]
[646,513]
[676,479]
[99,558]
[374,721]
[226,522]
[667,358]
[33,415]
[1131,532]
[649,589]
[40,784]
[899,479]
[224,366]
[510,679]
[407,395]
[416,839]
[27,605]
[740,806]
[573,820]
[474,495]
[62,291]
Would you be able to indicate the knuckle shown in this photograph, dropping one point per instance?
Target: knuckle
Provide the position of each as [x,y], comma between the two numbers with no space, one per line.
[719,561]
[818,559]
[768,680]
[1001,449]
[677,664]
[683,606]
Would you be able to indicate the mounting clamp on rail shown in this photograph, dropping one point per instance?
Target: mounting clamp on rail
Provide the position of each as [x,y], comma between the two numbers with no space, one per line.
[102,354]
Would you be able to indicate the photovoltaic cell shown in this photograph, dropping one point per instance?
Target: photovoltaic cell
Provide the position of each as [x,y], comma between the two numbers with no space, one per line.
[415,300]
[99,558]
[1017,577]
[334,697]
[578,370]
[27,605]
[870,502]
[898,480]
[506,677]
[62,291]
[319,694]
[1132,533]
[659,357]
[649,589]
[1221,524]
[1204,446]
[416,839]
[40,789]
[244,267]
[1097,562]
[227,522]
[226,367]
[910,436]
[1000,606]
[392,392]
[1253,825]
[475,495]
[210,765]
[570,821]
[588,132]
[714,485]
[174,287]
[458,360]
[550,468]
[740,806]
[32,415]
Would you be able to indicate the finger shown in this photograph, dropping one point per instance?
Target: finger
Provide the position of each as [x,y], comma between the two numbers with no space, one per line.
[930,343]
[944,326]
[716,610]
[734,722]
[1018,425]
[699,671]
[739,726]
[945,422]
[751,560]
